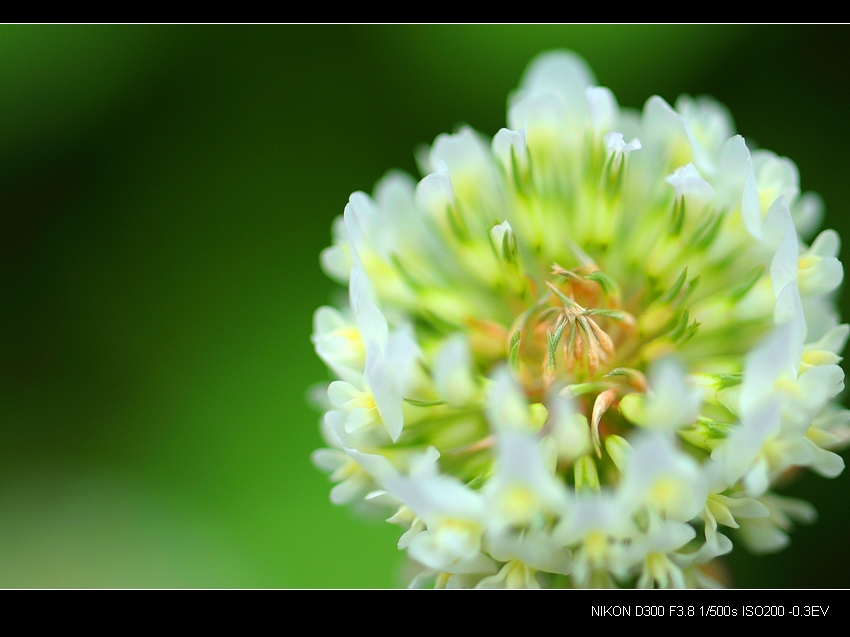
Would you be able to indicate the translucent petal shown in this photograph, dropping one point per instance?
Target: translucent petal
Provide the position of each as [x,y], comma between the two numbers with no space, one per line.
[370,321]
[820,276]
[562,73]
[733,167]
[664,478]
[807,212]
[328,459]
[779,231]
[507,407]
[826,463]
[509,146]
[673,402]
[687,182]
[833,341]
[602,108]
[434,193]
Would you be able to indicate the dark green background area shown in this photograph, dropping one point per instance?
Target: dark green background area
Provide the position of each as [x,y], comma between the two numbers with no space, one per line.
[164,195]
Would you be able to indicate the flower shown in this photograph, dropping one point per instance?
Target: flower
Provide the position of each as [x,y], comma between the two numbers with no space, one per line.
[571,360]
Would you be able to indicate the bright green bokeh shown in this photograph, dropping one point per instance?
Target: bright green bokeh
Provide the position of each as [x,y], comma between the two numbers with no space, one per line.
[166,193]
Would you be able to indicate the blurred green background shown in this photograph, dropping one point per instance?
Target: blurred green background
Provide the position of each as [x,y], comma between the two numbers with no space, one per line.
[165,195]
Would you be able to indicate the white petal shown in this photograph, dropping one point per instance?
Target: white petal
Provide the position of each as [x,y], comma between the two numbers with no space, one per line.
[757,479]
[733,167]
[425,465]
[428,549]
[537,114]
[663,135]
[569,429]
[504,240]
[687,182]
[370,321]
[434,193]
[453,372]
[336,262]
[388,377]
[328,460]
[814,388]
[827,244]
[394,192]
[350,489]
[826,463]
[562,73]
[771,360]
[779,231]
[751,213]
[615,144]
[795,508]
[821,316]
[521,463]
[537,550]
[663,477]
[762,536]
[339,344]
[466,156]
[741,449]
[708,124]
[367,226]
[820,276]
[593,511]
[340,392]
[602,107]
[807,212]
[506,143]
[833,341]
[327,319]
[777,177]
[745,507]
[673,402]
[507,407]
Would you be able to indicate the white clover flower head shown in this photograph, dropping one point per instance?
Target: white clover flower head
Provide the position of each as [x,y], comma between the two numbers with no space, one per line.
[569,360]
